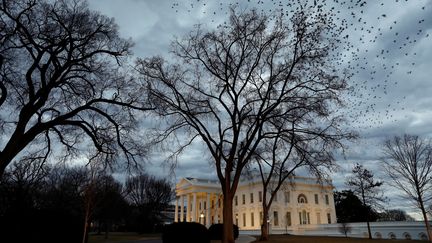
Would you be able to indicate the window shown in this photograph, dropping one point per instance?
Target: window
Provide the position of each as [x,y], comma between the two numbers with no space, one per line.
[327,199]
[275,197]
[244,220]
[316,198]
[235,201]
[318,215]
[244,199]
[287,197]
[236,219]
[260,196]
[251,198]
[302,199]
[304,217]
[329,218]
[288,219]
[252,219]
[261,217]
[275,218]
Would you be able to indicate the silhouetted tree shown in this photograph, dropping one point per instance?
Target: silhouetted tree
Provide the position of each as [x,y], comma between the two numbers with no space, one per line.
[150,196]
[345,228]
[349,208]
[301,147]
[366,188]
[394,215]
[408,162]
[230,88]
[62,82]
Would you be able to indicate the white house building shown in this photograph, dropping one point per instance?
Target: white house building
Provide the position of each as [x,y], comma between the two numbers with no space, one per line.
[302,207]
[301,202]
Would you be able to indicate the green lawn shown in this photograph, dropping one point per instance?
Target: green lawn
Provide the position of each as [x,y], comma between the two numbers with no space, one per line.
[325,239]
[120,237]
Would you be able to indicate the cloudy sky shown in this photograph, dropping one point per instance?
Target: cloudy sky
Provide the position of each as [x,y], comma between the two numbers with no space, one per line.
[392,62]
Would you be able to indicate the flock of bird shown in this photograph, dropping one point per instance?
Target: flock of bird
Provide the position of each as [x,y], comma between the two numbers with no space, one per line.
[379,48]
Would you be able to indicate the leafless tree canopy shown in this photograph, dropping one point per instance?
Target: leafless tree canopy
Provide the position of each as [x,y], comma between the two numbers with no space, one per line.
[252,77]
[408,162]
[61,80]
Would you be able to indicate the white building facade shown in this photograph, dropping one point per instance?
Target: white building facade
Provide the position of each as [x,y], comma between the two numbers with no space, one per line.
[300,203]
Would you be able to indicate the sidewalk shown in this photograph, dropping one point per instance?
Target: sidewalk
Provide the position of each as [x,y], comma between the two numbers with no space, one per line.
[245,239]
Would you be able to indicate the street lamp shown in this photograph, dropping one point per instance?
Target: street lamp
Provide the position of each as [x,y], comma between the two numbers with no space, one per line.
[202,217]
[268,224]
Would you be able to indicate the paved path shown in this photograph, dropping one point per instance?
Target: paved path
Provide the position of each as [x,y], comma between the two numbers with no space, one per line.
[245,239]
[241,239]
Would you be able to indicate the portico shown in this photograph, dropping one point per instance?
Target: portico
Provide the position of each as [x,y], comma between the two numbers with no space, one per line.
[202,200]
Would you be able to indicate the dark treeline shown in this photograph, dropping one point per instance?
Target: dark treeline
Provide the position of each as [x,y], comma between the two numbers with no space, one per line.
[67,203]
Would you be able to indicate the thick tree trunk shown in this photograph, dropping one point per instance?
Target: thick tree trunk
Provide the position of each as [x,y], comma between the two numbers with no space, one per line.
[264,225]
[17,142]
[228,234]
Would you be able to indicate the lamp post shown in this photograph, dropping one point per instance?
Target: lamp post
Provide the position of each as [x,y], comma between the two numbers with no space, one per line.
[268,224]
[202,217]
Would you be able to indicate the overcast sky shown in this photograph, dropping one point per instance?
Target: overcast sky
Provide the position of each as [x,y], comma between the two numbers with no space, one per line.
[392,83]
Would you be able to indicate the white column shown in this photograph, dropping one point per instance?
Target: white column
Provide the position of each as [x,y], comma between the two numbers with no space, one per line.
[194,207]
[217,209]
[176,210]
[207,210]
[188,209]
[182,208]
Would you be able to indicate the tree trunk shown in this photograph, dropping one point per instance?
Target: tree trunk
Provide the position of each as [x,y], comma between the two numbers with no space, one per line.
[264,225]
[369,229]
[228,234]
[425,218]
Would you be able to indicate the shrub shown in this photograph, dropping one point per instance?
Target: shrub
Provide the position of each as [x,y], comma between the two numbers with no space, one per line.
[216,231]
[185,232]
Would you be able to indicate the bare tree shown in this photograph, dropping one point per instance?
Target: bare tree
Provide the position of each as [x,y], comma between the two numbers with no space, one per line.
[408,162]
[345,228]
[62,81]
[281,156]
[364,185]
[150,196]
[230,87]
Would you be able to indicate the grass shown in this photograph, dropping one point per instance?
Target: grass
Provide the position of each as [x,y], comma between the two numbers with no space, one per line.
[120,237]
[326,239]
